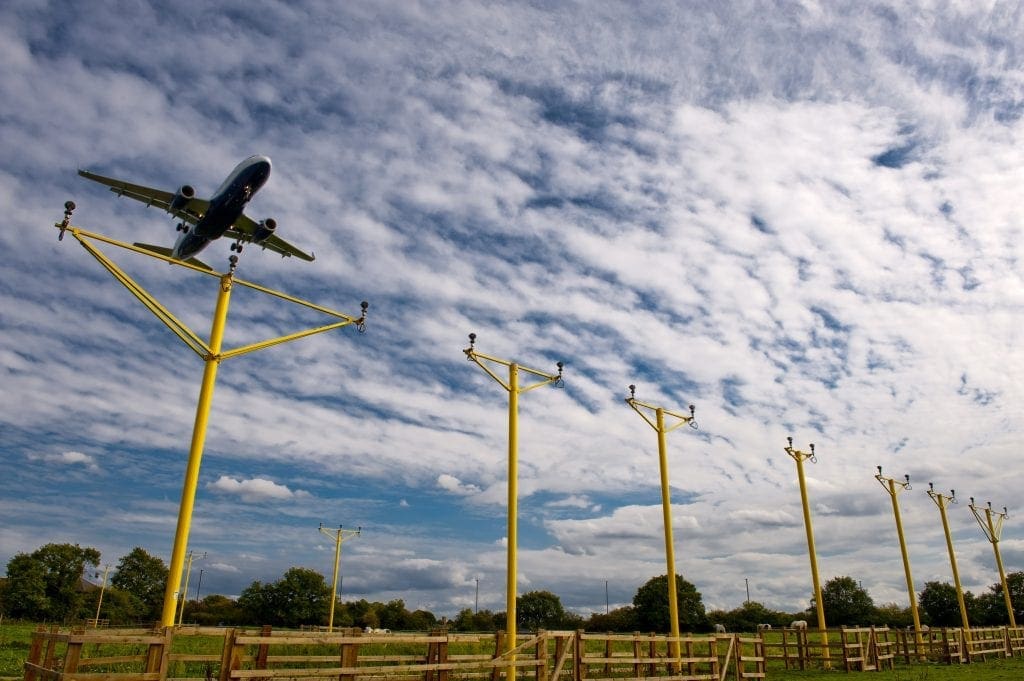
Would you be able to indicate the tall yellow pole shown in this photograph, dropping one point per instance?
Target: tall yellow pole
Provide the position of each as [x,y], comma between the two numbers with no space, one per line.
[511,570]
[339,536]
[666,503]
[512,386]
[666,517]
[99,603]
[894,488]
[942,501]
[993,531]
[799,457]
[188,491]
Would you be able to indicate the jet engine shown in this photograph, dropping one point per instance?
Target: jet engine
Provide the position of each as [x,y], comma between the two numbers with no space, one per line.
[181,199]
[264,230]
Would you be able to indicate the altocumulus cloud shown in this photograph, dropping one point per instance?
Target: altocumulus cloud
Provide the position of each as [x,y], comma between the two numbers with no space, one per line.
[452,484]
[256,489]
[69,458]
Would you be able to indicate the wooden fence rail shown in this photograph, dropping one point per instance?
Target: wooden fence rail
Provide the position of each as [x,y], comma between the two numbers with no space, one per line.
[213,654]
[216,654]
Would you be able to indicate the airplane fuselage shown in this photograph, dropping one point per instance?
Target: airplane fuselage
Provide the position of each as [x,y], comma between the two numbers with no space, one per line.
[226,206]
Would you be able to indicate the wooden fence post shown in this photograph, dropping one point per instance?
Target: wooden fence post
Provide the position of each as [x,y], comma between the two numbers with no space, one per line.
[437,653]
[51,645]
[349,658]
[579,670]
[35,652]
[74,651]
[559,653]
[638,667]
[158,655]
[231,656]
[652,648]
[264,648]
[540,655]
[499,648]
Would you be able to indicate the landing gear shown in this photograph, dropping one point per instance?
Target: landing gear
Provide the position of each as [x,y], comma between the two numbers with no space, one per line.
[237,247]
[181,227]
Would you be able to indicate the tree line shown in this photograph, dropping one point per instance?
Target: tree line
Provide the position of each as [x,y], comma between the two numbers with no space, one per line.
[56,583]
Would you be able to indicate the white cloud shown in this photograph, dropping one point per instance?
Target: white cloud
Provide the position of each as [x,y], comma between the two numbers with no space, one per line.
[452,484]
[256,489]
[68,458]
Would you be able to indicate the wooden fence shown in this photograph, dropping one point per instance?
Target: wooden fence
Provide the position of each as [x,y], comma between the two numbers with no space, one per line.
[876,648]
[187,654]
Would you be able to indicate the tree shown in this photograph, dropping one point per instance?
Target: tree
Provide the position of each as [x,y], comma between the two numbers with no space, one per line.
[620,620]
[145,577]
[394,615]
[846,602]
[539,610]
[301,596]
[47,584]
[217,610]
[746,617]
[991,605]
[467,620]
[421,620]
[25,590]
[894,615]
[651,605]
[118,607]
[940,604]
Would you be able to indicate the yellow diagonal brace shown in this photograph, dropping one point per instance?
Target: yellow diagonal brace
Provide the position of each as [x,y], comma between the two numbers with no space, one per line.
[282,339]
[180,329]
[292,299]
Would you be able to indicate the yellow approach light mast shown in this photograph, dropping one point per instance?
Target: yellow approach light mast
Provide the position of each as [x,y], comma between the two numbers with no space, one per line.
[339,536]
[894,487]
[212,355]
[513,388]
[658,424]
[942,501]
[800,457]
[993,531]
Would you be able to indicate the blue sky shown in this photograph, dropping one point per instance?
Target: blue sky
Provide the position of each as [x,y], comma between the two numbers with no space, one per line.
[804,218]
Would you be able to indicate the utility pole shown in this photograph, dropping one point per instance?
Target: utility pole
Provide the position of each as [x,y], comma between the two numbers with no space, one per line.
[513,389]
[199,585]
[476,601]
[184,591]
[942,502]
[799,457]
[746,582]
[894,487]
[992,531]
[658,424]
[339,536]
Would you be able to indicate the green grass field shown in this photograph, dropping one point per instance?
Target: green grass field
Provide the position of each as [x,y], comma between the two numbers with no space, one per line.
[15,639]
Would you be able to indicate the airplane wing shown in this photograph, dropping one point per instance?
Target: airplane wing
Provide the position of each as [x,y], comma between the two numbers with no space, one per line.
[192,211]
[244,229]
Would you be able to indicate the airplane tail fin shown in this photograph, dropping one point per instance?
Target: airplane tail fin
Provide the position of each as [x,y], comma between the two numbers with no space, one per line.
[168,252]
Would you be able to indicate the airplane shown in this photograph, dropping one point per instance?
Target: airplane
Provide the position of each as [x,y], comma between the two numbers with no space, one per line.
[203,220]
